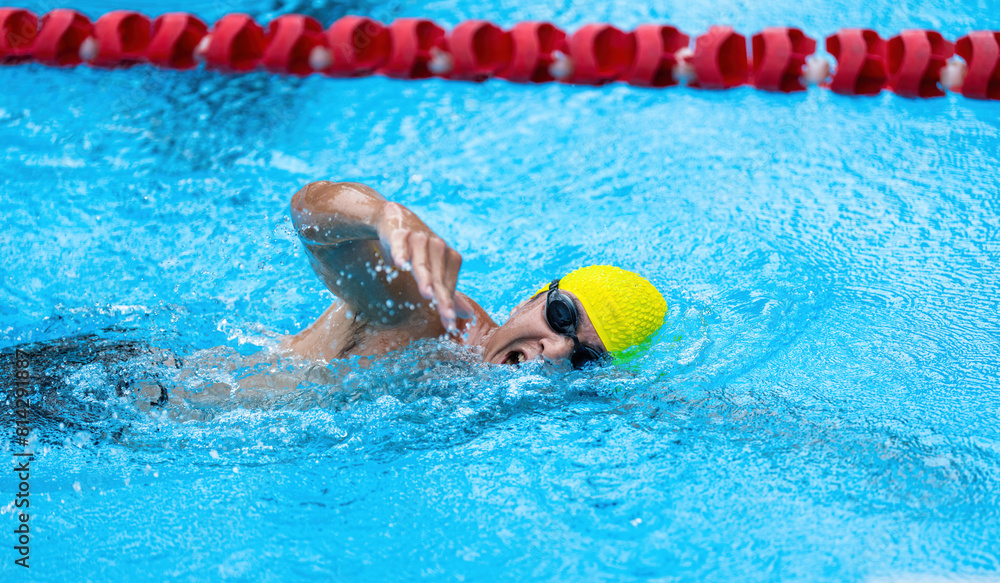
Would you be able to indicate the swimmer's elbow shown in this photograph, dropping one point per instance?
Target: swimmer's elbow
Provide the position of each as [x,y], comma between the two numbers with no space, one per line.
[328,196]
[308,196]
[302,208]
[341,210]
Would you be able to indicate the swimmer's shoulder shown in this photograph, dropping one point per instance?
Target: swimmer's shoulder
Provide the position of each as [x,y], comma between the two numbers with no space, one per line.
[341,333]
[333,335]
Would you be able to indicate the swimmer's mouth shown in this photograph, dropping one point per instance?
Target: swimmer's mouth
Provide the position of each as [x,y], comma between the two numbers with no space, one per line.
[514,357]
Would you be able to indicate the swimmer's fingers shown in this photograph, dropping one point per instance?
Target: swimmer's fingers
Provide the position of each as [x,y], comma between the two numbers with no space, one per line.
[394,235]
[399,248]
[439,256]
[453,263]
[461,305]
[418,242]
[463,309]
[414,247]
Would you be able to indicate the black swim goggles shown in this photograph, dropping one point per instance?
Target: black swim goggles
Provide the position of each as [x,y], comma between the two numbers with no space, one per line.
[562,317]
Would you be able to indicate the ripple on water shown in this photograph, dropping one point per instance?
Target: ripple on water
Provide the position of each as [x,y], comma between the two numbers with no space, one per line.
[820,404]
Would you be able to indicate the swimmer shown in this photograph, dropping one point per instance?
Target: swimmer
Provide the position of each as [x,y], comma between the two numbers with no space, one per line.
[397,282]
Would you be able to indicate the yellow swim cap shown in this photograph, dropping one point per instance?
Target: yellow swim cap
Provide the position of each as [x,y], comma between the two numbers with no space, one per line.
[623,306]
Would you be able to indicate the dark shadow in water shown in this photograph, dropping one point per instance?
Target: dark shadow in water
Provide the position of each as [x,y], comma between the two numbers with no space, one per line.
[81,383]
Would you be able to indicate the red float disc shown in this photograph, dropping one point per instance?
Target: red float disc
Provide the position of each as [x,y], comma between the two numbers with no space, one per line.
[59,39]
[290,40]
[358,46]
[915,59]
[981,51]
[122,37]
[532,46]
[175,36]
[778,57]
[411,42]
[655,55]
[861,62]
[720,59]
[479,49]
[601,54]
[237,44]
[18,29]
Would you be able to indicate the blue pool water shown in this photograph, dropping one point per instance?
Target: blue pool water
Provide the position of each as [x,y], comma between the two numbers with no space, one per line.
[823,403]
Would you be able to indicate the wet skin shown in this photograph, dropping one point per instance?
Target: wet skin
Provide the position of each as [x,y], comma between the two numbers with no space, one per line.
[397,280]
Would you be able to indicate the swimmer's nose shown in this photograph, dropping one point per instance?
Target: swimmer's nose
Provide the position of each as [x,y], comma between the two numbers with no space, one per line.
[556,347]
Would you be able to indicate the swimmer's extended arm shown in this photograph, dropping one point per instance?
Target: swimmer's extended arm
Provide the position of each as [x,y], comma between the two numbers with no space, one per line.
[347,227]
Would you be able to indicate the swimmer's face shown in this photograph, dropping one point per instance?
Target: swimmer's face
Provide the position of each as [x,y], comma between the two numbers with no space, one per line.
[527,336]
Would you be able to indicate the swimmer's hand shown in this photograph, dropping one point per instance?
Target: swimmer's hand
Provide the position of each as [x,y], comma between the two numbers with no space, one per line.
[434,265]
[339,221]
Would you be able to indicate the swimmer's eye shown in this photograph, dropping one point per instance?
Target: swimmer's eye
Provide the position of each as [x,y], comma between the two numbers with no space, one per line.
[584,355]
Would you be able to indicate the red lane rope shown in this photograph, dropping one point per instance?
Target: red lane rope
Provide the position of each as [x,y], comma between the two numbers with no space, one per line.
[915,63]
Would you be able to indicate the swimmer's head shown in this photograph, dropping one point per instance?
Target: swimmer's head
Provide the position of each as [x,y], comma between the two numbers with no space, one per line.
[624,307]
[596,310]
